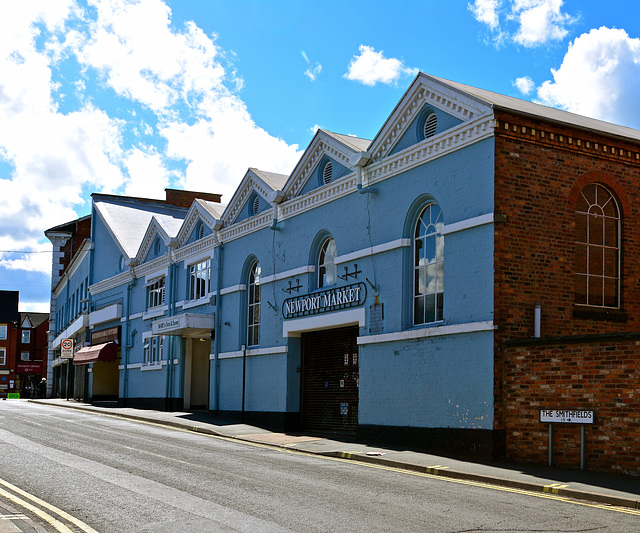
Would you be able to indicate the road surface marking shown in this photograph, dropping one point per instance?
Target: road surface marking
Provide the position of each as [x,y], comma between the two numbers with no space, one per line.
[39,512]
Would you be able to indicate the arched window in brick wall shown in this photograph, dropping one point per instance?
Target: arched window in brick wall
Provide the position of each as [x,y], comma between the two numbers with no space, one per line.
[428,266]
[597,261]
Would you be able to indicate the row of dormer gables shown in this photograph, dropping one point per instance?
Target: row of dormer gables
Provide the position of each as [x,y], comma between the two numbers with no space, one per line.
[428,109]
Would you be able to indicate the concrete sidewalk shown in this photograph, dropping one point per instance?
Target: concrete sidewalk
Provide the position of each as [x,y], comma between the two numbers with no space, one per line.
[608,489]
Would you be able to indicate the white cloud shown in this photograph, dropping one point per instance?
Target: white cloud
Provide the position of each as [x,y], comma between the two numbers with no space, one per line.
[599,77]
[524,84]
[539,21]
[58,142]
[148,177]
[526,22]
[371,67]
[486,11]
[313,72]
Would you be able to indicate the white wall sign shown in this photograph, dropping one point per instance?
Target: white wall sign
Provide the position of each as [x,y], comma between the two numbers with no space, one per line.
[566,416]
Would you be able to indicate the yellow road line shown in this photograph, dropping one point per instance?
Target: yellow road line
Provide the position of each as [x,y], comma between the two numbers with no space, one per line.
[39,512]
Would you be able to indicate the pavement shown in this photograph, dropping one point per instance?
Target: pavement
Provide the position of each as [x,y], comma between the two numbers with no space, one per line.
[607,489]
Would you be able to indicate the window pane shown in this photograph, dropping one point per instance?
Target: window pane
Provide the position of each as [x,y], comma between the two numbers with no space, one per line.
[595,290]
[611,232]
[431,278]
[418,310]
[596,230]
[611,263]
[596,260]
[421,281]
[440,277]
[611,293]
[430,308]
[430,249]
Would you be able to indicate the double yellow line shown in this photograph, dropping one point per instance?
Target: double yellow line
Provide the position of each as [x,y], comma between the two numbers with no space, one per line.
[20,497]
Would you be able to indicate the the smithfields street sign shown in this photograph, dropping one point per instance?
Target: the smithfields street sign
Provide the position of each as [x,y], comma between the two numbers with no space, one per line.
[325,301]
[566,416]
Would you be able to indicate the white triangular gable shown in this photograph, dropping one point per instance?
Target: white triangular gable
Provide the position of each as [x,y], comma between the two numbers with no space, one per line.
[425,90]
[209,213]
[254,181]
[337,147]
[26,323]
[155,229]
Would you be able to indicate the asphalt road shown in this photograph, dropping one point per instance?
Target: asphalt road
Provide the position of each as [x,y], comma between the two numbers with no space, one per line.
[122,476]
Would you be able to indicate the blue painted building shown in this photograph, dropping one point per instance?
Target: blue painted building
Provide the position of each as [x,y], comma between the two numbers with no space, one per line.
[353,296]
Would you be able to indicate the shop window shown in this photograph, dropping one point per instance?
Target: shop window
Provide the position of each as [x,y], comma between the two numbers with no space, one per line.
[153,349]
[155,293]
[327,270]
[597,259]
[199,279]
[428,267]
[253,319]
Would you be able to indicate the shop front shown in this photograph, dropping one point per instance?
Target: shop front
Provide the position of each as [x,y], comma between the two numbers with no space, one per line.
[100,360]
[197,331]
[28,377]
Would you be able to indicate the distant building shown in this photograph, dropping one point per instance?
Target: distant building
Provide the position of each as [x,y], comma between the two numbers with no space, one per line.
[439,286]
[23,348]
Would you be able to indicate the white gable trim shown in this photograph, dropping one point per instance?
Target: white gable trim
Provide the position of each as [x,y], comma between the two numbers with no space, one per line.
[250,183]
[424,91]
[322,145]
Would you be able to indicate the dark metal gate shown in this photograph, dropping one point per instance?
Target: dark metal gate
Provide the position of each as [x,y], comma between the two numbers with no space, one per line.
[330,381]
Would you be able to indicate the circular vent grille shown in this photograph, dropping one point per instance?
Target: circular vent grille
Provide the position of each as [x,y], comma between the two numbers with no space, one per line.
[327,173]
[430,125]
[255,206]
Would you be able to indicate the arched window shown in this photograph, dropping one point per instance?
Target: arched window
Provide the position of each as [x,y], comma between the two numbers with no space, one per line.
[597,261]
[253,317]
[326,264]
[428,278]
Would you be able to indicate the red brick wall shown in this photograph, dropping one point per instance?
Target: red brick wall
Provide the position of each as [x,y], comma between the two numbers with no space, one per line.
[539,171]
[601,377]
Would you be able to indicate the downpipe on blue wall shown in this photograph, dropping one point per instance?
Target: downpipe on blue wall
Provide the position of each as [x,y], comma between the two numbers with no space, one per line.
[218,334]
[129,337]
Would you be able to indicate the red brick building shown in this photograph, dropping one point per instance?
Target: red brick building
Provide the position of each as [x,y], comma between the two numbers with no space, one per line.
[23,348]
[567,239]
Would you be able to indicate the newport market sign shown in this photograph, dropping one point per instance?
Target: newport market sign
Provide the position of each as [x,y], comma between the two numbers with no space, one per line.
[325,301]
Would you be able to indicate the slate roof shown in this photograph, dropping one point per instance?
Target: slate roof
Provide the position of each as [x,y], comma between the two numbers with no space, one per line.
[510,103]
[128,220]
[355,143]
[275,181]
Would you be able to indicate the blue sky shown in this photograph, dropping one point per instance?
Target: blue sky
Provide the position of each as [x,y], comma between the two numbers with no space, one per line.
[133,96]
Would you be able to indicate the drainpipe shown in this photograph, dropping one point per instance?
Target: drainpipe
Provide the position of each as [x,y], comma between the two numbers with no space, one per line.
[172,276]
[218,323]
[537,319]
[129,335]
[244,375]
